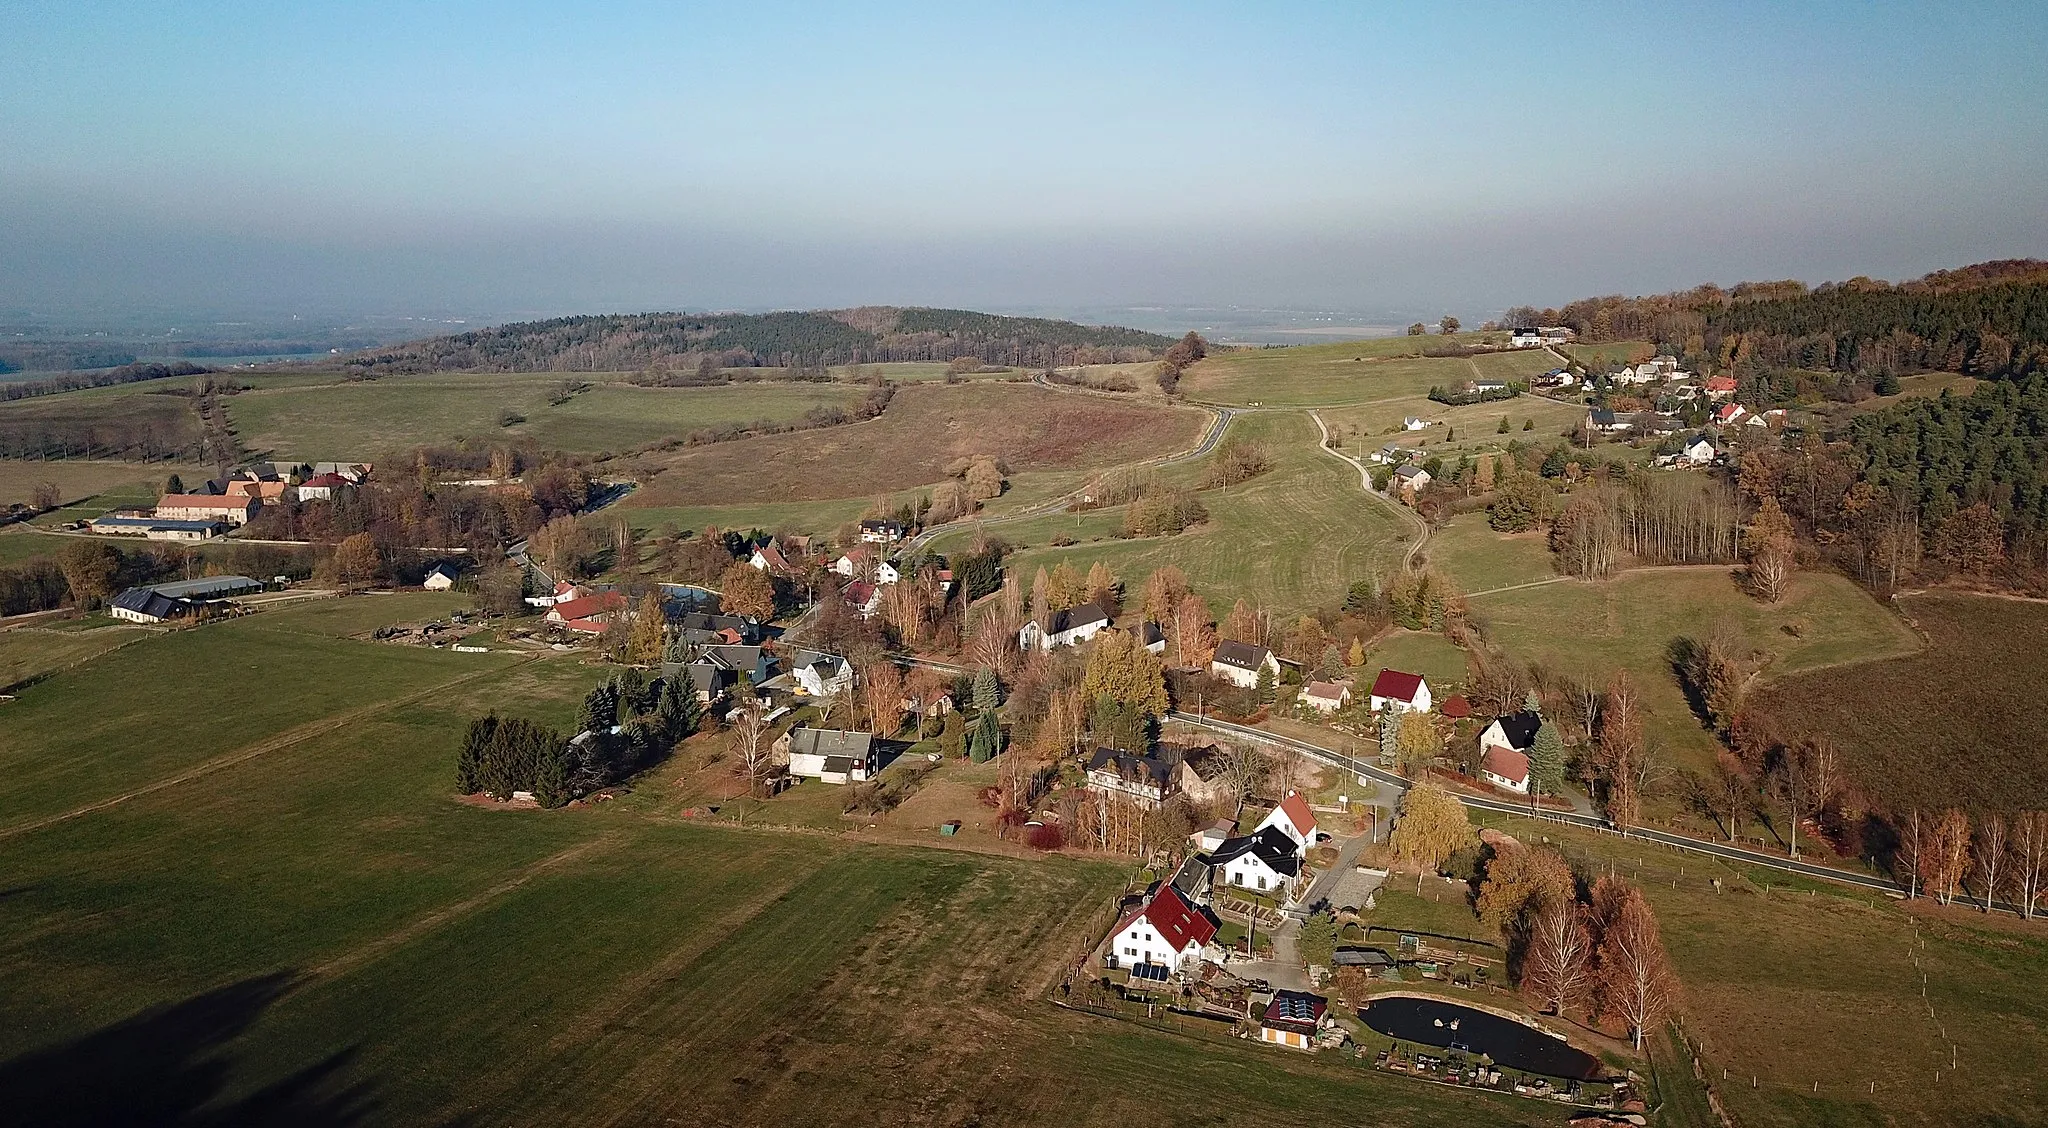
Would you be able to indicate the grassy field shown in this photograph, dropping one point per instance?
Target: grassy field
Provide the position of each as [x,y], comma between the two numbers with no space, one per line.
[132,407]
[925,428]
[321,935]
[1478,559]
[1930,730]
[1435,657]
[363,420]
[1608,352]
[27,652]
[1799,984]
[80,480]
[1452,431]
[1311,375]
[1290,540]
[1591,630]
[1926,385]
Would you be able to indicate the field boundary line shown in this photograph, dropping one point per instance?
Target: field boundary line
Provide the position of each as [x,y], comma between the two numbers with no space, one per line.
[279,742]
[366,952]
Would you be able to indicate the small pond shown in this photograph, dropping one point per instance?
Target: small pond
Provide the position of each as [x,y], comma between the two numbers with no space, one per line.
[1510,1044]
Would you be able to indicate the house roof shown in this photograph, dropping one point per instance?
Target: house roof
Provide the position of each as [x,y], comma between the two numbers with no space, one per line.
[1271,845]
[881,526]
[1411,472]
[1326,691]
[1295,1008]
[202,501]
[1297,812]
[1179,923]
[1698,439]
[1242,655]
[1361,957]
[1200,759]
[1520,728]
[859,593]
[1397,685]
[1506,763]
[443,569]
[1720,383]
[207,587]
[1074,618]
[144,601]
[325,481]
[831,742]
[1149,633]
[586,606]
[1131,766]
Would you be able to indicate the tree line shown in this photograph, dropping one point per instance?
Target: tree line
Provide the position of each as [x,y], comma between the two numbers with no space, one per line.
[501,756]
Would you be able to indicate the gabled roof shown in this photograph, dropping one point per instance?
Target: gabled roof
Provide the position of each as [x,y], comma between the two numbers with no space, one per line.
[1242,655]
[203,501]
[1131,766]
[1603,416]
[1397,685]
[1179,923]
[1295,1008]
[1271,845]
[1411,472]
[858,593]
[831,742]
[1506,763]
[1326,691]
[1520,728]
[1149,633]
[1075,618]
[325,481]
[1456,707]
[589,605]
[143,601]
[1297,812]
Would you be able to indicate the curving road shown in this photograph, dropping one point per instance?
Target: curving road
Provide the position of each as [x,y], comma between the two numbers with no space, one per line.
[1221,422]
[1365,483]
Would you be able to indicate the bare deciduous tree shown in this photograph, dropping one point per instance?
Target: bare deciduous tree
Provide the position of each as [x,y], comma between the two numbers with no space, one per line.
[2030,859]
[1557,970]
[1635,974]
[1992,843]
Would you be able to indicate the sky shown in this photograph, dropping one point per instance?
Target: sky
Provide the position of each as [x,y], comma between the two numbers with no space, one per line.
[541,158]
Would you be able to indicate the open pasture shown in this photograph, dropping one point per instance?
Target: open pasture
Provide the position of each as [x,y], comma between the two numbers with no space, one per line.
[1958,723]
[322,935]
[1452,431]
[1318,374]
[1478,559]
[80,480]
[925,428]
[345,420]
[1290,540]
[1591,630]
[1598,356]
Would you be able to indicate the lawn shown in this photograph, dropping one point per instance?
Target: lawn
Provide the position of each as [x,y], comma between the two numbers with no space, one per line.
[27,652]
[1588,631]
[1925,385]
[1432,655]
[925,429]
[79,480]
[1599,356]
[1479,559]
[1452,431]
[1799,984]
[1290,540]
[367,419]
[321,935]
[1309,375]
[1958,723]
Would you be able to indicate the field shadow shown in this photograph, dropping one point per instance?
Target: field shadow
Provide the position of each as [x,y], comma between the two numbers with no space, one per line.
[169,1066]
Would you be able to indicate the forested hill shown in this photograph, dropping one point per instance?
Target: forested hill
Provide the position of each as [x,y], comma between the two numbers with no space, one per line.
[1989,320]
[632,342]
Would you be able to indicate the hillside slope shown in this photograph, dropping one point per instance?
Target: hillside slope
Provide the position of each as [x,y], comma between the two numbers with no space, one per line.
[626,342]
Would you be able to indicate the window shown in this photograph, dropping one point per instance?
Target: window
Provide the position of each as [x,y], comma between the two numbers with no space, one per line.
[1237,879]
[1262,881]
[1130,951]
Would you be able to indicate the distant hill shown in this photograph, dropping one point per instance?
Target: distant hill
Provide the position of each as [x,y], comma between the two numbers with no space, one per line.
[1989,319]
[631,342]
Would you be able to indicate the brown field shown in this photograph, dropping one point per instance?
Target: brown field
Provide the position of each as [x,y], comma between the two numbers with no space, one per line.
[79,479]
[925,427]
[1957,723]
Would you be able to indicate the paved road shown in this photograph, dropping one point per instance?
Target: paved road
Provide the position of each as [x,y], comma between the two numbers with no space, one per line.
[1214,435]
[1399,784]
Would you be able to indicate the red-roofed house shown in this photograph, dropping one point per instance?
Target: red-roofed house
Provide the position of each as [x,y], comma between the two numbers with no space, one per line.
[1169,932]
[322,487]
[1729,412]
[1504,767]
[588,613]
[862,596]
[1720,387]
[768,558]
[1295,820]
[1408,691]
[235,510]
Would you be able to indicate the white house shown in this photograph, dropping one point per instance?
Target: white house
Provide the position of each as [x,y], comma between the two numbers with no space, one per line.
[1699,450]
[1146,779]
[828,755]
[1294,819]
[1408,692]
[1070,627]
[1414,423]
[1634,374]
[863,597]
[1504,750]
[1555,334]
[1729,413]
[855,563]
[1409,481]
[1265,861]
[820,675]
[1526,339]
[881,532]
[1326,697]
[1213,836]
[235,509]
[1152,638]
[1239,663]
[1168,933]
[440,577]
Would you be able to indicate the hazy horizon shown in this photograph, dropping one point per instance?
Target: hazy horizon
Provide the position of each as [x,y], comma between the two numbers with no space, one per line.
[466,161]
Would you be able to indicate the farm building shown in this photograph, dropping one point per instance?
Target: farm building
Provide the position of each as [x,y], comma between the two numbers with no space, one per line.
[153,528]
[207,507]
[141,605]
[828,755]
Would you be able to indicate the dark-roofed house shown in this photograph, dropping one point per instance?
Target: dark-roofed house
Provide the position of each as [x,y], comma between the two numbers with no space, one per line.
[1168,932]
[1201,772]
[1069,627]
[1504,750]
[1407,692]
[1604,419]
[1146,778]
[1151,637]
[881,532]
[1293,1018]
[1267,860]
[828,755]
[1239,663]
[144,605]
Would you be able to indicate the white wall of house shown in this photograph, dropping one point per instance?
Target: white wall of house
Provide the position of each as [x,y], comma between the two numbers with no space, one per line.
[1249,871]
[1421,704]
[1519,787]
[1139,942]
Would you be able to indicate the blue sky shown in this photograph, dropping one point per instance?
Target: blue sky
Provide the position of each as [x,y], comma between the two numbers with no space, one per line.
[503,157]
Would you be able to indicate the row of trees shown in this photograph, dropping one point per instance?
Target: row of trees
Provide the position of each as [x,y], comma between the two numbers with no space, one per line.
[1944,856]
[1179,356]
[502,756]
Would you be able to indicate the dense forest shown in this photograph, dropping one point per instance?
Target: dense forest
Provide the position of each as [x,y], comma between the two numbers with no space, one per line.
[632,342]
[1951,455]
[1988,320]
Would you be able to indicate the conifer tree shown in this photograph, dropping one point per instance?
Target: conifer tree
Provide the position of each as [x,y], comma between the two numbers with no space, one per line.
[1546,760]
